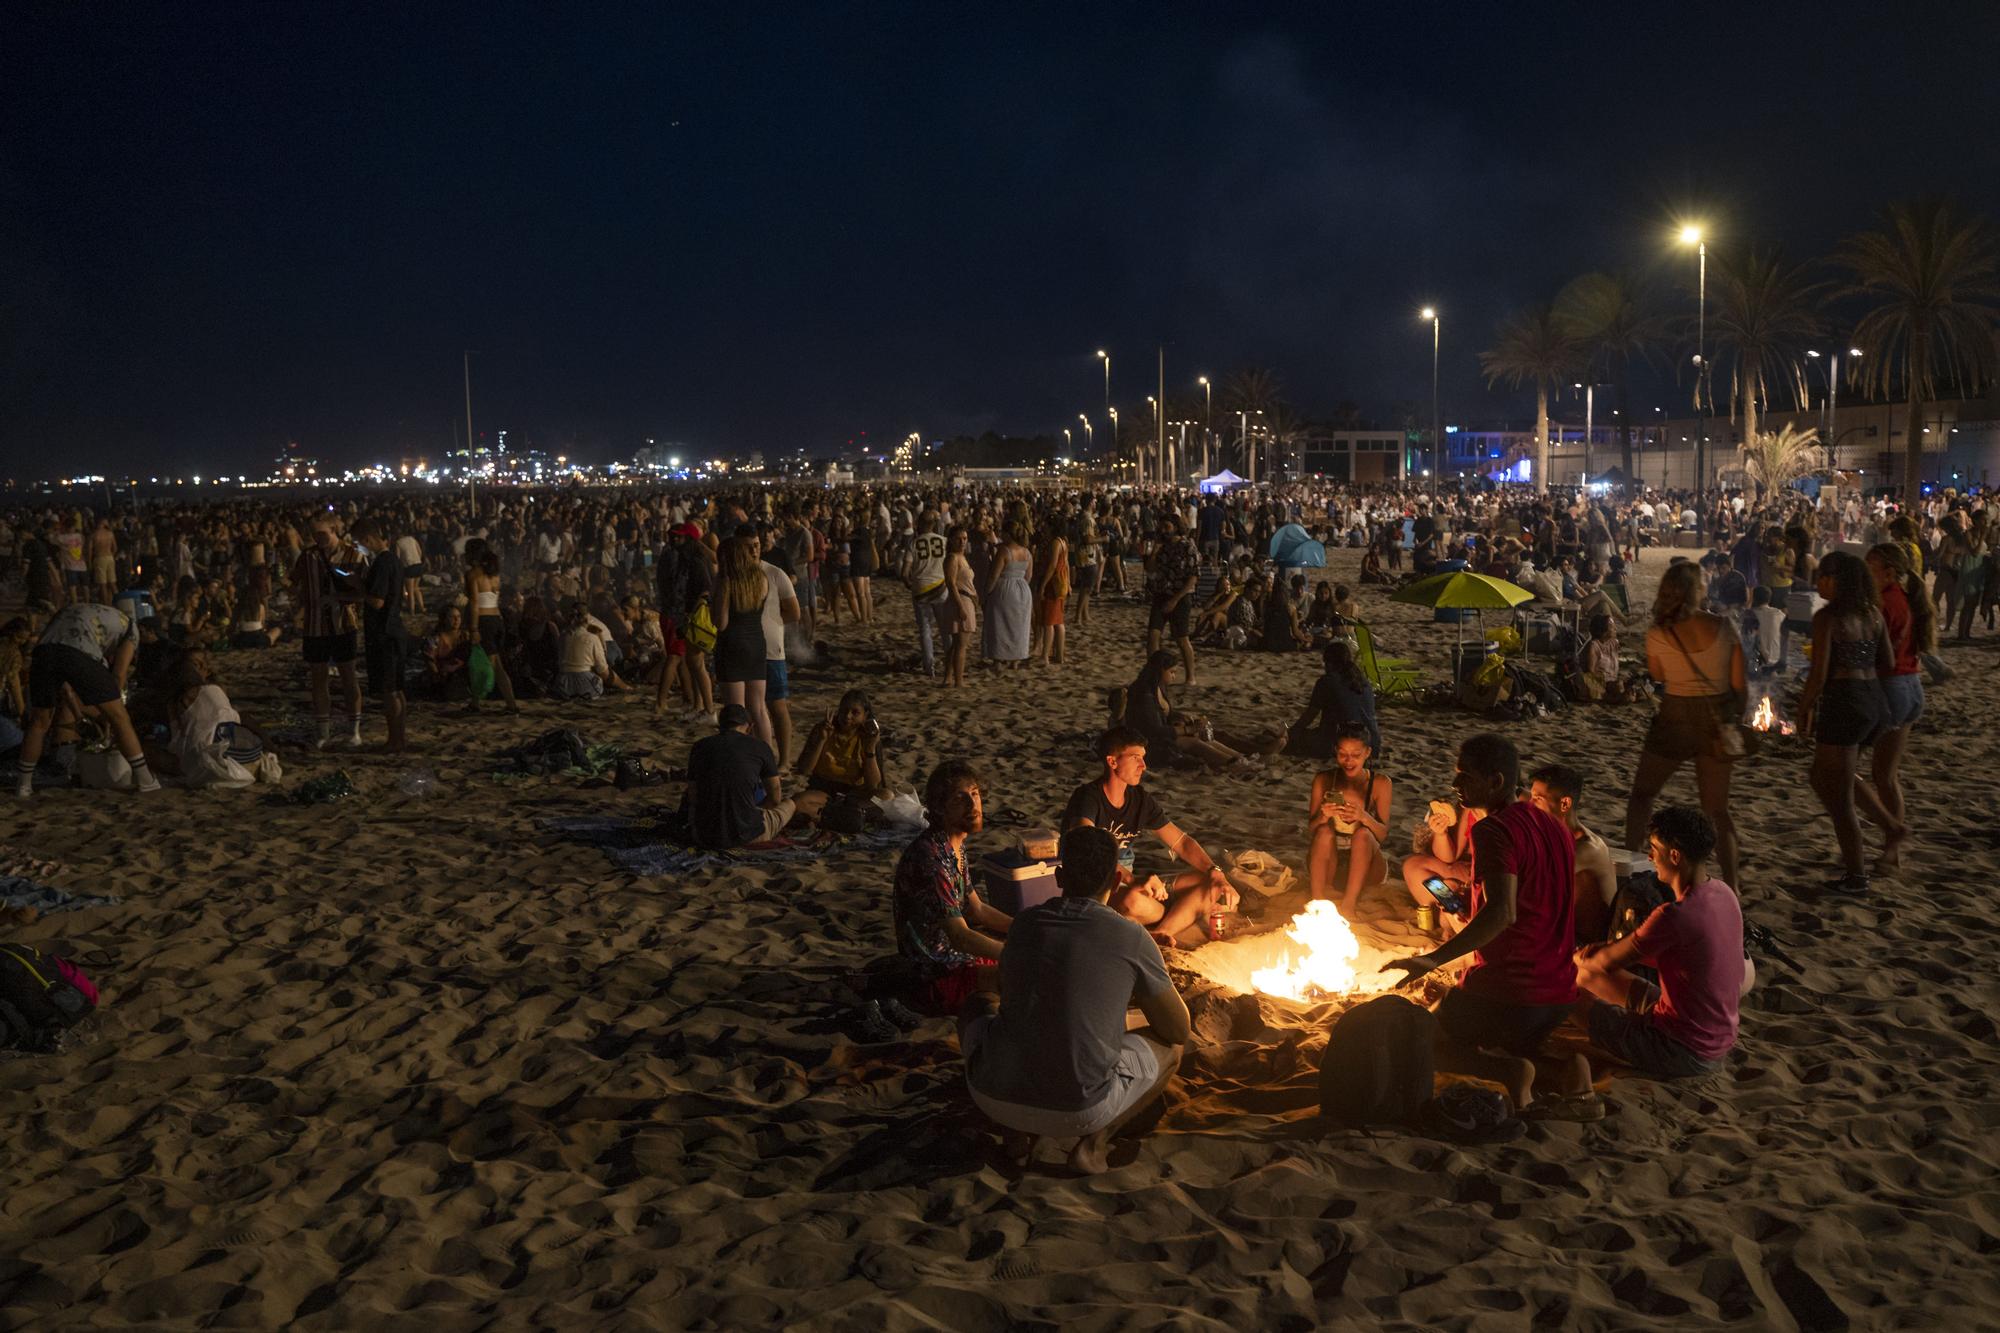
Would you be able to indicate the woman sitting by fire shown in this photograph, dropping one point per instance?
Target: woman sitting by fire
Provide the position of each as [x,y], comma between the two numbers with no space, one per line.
[1348,815]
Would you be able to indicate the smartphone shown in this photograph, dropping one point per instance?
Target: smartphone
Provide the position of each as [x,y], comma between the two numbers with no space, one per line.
[1446,896]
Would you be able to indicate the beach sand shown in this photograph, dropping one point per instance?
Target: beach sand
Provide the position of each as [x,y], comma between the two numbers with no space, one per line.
[420,1063]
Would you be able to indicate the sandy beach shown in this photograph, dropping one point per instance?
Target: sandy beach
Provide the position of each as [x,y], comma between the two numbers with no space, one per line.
[398,1062]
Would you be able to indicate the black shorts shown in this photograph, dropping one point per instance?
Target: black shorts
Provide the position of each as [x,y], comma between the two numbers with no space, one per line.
[1519,1029]
[493,634]
[387,660]
[1174,622]
[329,649]
[54,665]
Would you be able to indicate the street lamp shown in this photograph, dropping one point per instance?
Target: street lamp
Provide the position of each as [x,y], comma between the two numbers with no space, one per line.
[1833,401]
[1088,435]
[1691,235]
[1105,357]
[1430,313]
[1208,419]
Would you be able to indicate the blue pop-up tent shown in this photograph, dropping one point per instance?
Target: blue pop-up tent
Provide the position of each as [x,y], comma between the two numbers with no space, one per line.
[1224,480]
[1293,548]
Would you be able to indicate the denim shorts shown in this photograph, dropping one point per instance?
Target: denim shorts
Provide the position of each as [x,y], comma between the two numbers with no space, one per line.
[1906,700]
[777,682]
[1630,1037]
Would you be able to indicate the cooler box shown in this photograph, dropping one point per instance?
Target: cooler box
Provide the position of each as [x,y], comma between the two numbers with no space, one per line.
[136,603]
[1014,882]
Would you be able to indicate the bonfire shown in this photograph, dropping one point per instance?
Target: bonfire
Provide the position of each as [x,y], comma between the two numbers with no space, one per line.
[1316,957]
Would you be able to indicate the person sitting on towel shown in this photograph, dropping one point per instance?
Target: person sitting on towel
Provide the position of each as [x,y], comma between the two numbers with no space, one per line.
[734,797]
[1049,1056]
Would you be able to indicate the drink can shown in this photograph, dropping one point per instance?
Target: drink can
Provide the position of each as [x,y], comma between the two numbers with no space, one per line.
[1427,917]
[1215,924]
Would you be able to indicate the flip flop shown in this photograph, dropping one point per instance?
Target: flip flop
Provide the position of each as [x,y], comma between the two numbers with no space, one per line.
[1582,1109]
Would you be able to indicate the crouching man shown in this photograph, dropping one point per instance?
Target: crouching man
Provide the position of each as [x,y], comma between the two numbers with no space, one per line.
[1050,1056]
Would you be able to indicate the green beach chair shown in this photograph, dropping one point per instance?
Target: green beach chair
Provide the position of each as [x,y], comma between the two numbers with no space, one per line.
[1391,676]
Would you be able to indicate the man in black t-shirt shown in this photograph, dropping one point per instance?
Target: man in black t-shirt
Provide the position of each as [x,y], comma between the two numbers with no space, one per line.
[382,627]
[733,794]
[1116,803]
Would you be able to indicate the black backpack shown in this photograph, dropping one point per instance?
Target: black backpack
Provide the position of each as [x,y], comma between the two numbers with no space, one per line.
[1637,897]
[41,995]
[1378,1068]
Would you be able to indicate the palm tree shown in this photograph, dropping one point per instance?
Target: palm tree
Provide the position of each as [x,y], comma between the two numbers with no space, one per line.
[1254,390]
[1765,318]
[1532,346]
[1618,320]
[1931,277]
[1774,460]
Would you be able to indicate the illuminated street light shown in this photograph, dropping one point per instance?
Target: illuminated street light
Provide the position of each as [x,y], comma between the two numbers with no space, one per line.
[1430,313]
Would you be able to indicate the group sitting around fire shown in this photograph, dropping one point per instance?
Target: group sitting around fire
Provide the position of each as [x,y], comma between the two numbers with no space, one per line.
[1043,996]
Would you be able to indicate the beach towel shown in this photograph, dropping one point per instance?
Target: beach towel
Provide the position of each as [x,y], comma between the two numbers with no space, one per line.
[16,891]
[659,847]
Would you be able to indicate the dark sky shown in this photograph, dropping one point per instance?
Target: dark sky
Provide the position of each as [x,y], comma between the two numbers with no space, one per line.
[222,227]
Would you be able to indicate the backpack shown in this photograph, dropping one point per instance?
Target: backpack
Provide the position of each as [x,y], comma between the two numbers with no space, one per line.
[1636,900]
[1378,1066]
[41,995]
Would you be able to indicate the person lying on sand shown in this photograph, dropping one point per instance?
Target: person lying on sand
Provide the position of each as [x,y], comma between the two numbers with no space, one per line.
[1521,933]
[945,932]
[1118,804]
[1049,1056]
[1687,1023]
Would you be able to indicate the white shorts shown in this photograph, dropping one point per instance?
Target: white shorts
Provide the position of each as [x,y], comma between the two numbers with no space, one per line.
[1138,1068]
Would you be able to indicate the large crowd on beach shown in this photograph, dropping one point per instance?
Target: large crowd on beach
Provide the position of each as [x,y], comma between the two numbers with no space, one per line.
[407,610]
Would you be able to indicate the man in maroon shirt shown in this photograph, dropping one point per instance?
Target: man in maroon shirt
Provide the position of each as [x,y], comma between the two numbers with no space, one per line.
[1522,980]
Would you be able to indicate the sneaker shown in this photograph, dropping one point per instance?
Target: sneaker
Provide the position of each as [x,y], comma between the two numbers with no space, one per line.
[25,789]
[322,742]
[901,1015]
[353,741]
[874,1028]
[150,784]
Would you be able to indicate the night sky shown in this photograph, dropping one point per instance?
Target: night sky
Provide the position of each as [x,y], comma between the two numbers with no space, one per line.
[224,227]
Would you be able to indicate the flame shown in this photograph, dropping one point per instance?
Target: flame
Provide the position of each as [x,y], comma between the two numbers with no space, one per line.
[1766,718]
[1327,965]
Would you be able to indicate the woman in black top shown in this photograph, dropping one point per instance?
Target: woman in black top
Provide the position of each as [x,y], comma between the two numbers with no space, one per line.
[1340,696]
[1173,737]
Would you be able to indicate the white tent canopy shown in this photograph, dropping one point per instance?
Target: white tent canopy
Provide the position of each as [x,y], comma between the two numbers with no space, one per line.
[1221,481]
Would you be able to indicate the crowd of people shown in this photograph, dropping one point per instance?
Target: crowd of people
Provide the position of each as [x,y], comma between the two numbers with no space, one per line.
[703,604]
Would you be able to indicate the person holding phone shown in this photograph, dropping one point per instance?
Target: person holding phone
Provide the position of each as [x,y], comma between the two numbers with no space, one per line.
[843,758]
[1443,851]
[1521,937]
[1348,814]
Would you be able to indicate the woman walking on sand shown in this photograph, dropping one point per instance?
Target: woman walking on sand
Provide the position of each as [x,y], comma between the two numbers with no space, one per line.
[489,628]
[1843,703]
[1700,660]
[1912,623]
[959,615]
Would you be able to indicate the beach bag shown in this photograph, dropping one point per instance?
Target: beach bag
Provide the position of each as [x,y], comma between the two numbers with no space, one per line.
[41,996]
[1260,873]
[701,629]
[1728,738]
[1378,1068]
[902,810]
[479,672]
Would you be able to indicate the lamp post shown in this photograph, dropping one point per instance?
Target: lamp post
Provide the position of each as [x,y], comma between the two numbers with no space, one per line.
[1087,434]
[1833,406]
[1691,235]
[1430,313]
[1139,474]
[1208,420]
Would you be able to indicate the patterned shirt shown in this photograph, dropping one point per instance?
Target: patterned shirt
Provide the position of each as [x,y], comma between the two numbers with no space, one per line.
[93,630]
[932,886]
[1174,564]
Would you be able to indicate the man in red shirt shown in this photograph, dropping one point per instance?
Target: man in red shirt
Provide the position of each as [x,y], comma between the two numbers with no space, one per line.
[1522,980]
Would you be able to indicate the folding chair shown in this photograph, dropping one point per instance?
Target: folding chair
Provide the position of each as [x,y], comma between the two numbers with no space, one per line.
[1390,676]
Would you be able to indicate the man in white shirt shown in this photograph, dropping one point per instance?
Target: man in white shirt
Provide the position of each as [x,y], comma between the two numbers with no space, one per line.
[1554,789]
[781,608]
[923,575]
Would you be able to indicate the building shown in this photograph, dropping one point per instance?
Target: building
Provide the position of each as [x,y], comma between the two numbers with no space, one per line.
[1354,455]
